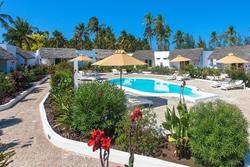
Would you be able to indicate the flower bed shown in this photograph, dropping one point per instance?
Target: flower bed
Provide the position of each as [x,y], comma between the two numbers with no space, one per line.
[166,152]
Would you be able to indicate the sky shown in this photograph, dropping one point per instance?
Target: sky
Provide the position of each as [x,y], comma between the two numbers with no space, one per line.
[197,17]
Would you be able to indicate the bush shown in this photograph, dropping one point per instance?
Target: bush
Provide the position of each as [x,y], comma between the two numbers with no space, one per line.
[98,105]
[219,135]
[62,96]
[239,74]
[149,140]
[162,70]
[20,82]
[6,86]
[40,70]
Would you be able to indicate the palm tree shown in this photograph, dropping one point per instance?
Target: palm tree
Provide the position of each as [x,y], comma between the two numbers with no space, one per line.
[80,35]
[19,34]
[148,32]
[231,36]
[201,43]
[4,18]
[188,42]
[213,41]
[57,40]
[167,35]
[159,31]
[178,39]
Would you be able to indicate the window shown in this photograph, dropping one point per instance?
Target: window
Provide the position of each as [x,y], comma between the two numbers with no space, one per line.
[150,63]
[165,58]
[158,58]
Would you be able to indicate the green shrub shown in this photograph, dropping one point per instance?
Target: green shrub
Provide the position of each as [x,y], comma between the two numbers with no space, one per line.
[62,96]
[20,82]
[29,74]
[239,74]
[219,135]
[6,86]
[98,105]
[162,70]
[40,70]
[148,141]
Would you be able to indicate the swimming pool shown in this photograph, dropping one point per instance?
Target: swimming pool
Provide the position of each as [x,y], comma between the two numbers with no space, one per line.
[156,87]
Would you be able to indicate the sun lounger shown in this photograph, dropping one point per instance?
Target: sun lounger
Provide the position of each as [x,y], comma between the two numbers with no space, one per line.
[146,72]
[133,101]
[171,77]
[218,84]
[183,77]
[90,76]
[115,72]
[124,71]
[233,85]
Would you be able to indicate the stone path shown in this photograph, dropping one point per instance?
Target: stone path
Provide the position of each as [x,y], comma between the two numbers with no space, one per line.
[22,131]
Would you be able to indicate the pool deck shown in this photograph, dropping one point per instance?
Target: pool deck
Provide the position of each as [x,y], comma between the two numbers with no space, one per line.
[239,97]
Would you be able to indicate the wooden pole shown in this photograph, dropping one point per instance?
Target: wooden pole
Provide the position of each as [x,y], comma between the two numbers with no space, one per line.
[120,77]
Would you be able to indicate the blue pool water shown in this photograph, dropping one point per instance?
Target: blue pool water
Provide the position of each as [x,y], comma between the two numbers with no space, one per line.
[152,86]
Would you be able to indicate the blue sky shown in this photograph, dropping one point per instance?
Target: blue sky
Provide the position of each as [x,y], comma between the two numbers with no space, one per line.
[197,17]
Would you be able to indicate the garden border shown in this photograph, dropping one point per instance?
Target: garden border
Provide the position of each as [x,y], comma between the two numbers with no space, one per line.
[19,97]
[82,148]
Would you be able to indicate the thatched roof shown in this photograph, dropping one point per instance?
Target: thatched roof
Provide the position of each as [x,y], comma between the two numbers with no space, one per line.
[103,53]
[53,53]
[24,54]
[4,55]
[240,51]
[144,54]
[193,54]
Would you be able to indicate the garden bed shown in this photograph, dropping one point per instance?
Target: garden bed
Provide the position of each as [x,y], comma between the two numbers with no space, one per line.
[166,150]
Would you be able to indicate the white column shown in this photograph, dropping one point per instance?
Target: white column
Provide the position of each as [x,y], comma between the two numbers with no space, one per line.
[76,74]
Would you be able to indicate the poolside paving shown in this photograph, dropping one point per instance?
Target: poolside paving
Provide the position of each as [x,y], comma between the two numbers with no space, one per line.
[238,97]
[22,131]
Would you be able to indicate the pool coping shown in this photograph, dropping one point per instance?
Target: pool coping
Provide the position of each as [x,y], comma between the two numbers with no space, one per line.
[204,95]
[82,148]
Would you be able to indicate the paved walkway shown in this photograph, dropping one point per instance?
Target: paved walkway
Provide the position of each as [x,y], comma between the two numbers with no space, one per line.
[22,131]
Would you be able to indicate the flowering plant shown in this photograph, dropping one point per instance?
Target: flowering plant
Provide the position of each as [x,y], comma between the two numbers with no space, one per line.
[100,142]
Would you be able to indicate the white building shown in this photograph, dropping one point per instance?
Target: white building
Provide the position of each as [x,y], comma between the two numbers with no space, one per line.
[162,58]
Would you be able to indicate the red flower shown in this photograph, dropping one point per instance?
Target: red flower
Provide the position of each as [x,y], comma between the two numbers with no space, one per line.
[106,143]
[136,114]
[98,140]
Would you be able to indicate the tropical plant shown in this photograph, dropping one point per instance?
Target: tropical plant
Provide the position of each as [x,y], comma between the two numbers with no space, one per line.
[57,40]
[98,105]
[167,35]
[149,32]
[93,26]
[20,82]
[143,137]
[5,19]
[6,87]
[159,32]
[188,42]
[80,35]
[218,134]
[231,36]
[41,40]
[178,124]
[214,41]
[178,39]
[100,142]
[201,43]
[19,34]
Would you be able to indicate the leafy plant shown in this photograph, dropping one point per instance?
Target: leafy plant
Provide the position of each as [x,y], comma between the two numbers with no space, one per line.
[218,133]
[20,81]
[98,105]
[148,139]
[177,122]
[162,70]
[6,86]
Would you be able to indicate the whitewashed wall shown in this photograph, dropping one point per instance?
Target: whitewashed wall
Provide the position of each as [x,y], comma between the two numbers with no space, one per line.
[47,61]
[162,58]
[205,62]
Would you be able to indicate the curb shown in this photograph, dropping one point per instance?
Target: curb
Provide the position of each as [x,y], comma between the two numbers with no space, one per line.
[82,148]
[19,97]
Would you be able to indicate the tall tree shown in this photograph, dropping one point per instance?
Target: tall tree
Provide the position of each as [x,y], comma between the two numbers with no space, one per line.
[231,36]
[159,32]
[4,18]
[178,39]
[201,43]
[167,35]
[19,34]
[149,32]
[214,41]
[80,35]
[57,40]
[93,26]
[126,41]
[188,41]
[105,39]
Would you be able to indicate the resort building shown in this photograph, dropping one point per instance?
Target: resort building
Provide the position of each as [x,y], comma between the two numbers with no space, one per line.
[146,56]
[240,51]
[55,55]
[13,57]
[162,58]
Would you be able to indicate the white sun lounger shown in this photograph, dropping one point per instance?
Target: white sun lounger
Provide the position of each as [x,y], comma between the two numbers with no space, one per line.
[183,77]
[115,72]
[233,85]
[171,77]
[217,84]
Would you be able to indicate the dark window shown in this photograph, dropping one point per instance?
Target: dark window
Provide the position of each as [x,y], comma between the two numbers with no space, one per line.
[150,63]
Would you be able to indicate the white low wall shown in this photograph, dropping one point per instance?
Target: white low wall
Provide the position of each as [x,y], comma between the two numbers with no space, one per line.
[116,156]
[21,95]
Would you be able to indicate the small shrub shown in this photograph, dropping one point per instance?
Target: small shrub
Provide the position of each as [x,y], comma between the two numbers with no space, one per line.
[148,140]
[98,105]
[6,86]
[162,70]
[19,80]
[5,157]
[29,74]
[219,135]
